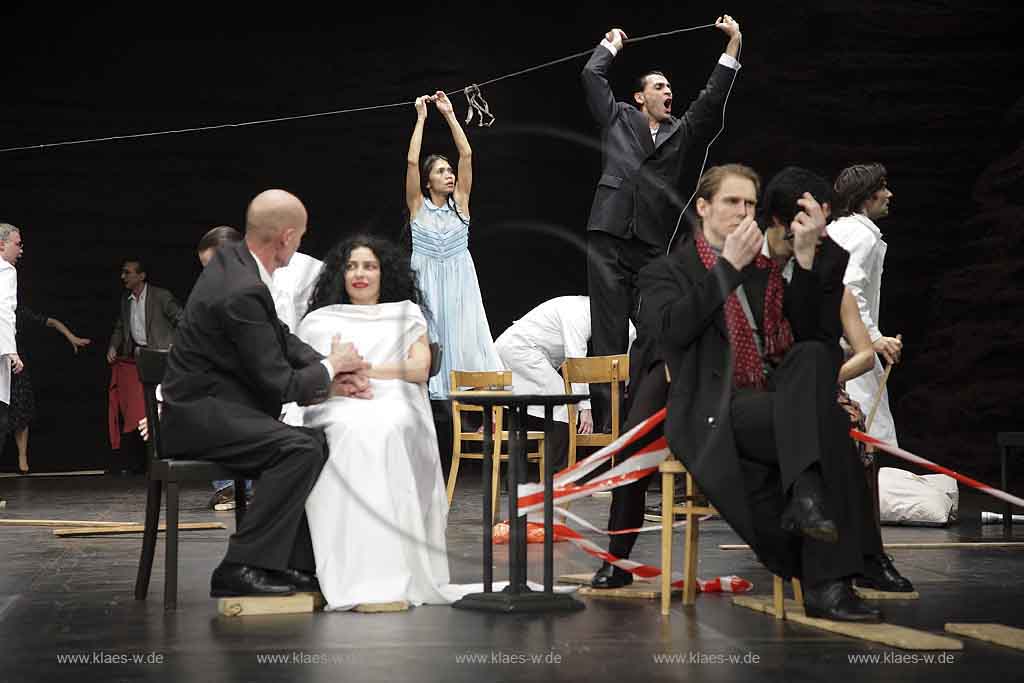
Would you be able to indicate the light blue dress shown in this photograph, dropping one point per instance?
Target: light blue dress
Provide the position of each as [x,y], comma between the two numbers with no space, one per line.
[447,278]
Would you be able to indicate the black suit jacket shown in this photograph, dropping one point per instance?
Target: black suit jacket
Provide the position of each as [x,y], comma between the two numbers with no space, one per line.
[163,313]
[683,309]
[637,192]
[233,363]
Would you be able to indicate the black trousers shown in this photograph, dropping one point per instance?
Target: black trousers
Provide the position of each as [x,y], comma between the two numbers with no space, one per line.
[794,424]
[613,264]
[627,510]
[274,533]
[5,422]
[556,440]
[780,432]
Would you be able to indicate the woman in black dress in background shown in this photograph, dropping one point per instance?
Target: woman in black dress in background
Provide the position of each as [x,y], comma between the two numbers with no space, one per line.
[23,402]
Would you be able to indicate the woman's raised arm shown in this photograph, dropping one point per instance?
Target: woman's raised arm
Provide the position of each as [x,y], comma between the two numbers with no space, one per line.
[413,195]
[464,182]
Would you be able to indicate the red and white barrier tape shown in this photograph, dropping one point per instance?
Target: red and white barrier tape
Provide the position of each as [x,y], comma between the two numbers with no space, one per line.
[639,465]
[727,584]
[928,464]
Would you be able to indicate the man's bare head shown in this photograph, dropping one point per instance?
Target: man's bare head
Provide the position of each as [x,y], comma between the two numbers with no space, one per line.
[275,223]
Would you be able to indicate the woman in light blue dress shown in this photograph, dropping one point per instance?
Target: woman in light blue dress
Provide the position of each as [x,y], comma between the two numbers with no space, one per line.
[438,203]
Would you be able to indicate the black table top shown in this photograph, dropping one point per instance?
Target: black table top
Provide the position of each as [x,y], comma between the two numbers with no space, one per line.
[488,398]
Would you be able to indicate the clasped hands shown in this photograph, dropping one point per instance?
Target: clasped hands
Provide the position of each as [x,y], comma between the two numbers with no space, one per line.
[351,372]
[440,100]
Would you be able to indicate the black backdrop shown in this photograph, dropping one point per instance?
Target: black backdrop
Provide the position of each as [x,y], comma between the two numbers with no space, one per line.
[929,88]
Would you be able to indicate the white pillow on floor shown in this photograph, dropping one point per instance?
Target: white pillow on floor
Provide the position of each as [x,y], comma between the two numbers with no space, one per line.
[908,498]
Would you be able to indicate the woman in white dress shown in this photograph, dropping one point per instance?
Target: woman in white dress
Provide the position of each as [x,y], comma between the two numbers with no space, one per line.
[378,512]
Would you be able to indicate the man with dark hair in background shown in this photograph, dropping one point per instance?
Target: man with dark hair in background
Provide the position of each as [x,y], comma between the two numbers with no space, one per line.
[147,318]
[862,198]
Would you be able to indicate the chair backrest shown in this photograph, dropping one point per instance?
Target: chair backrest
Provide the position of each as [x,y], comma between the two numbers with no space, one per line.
[435,358]
[496,380]
[152,364]
[461,380]
[595,370]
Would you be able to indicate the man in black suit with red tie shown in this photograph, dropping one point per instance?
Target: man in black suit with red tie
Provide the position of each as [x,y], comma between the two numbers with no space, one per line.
[233,364]
[636,202]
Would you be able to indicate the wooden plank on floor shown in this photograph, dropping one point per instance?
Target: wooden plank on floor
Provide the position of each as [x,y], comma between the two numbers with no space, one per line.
[872,594]
[75,473]
[381,607]
[59,522]
[640,589]
[918,546]
[1007,636]
[248,606]
[131,529]
[887,634]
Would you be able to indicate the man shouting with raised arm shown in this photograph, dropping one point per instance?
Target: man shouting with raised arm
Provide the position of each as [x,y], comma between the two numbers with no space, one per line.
[636,204]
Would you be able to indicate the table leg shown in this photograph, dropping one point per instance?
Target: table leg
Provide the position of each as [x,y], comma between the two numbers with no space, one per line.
[549,506]
[485,486]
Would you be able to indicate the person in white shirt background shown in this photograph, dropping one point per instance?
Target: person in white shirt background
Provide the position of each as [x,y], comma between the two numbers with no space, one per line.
[10,361]
[862,195]
[534,348]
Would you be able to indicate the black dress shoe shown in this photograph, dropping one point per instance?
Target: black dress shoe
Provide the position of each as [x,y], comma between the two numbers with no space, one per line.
[835,600]
[304,582]
[804,515]
[880,574]
[610,576]
[232,580]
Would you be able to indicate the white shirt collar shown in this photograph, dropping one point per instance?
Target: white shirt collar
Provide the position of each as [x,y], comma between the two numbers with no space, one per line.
[142,294]
[264,275]
[870,224]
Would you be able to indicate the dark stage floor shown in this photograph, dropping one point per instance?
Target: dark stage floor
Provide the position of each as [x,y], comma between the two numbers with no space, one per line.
[74,597]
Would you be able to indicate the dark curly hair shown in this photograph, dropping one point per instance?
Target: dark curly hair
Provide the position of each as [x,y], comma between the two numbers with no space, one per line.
[397,278]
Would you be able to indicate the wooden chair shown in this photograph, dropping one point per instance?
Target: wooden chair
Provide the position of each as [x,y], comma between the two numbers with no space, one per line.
[164,474]
[490,381]
[692,507]
[612,370]
[779,595]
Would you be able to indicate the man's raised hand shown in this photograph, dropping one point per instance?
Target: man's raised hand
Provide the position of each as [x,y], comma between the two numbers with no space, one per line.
[743,244]
[808,228]
[616,36]
[728,26]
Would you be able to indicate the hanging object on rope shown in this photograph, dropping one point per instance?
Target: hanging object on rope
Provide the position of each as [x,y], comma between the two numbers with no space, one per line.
[477,103]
